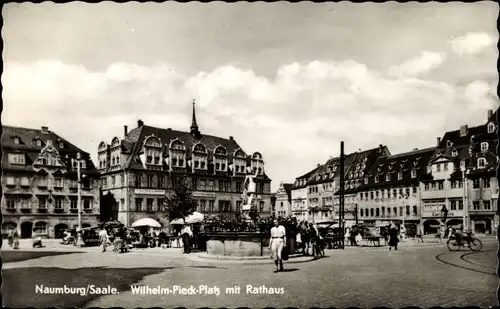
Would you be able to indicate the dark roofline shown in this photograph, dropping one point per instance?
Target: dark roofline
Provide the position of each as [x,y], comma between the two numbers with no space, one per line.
[410,153]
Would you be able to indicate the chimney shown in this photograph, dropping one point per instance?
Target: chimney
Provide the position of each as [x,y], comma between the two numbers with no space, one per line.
[125,131]
[463,130]
[169,129]
[415,149]
[490,114]
[438,141]
[318,165]
[231,138]
[140,123]
[45,130]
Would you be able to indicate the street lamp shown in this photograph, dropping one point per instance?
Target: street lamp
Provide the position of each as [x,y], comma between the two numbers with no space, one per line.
[80,239]
[466,208]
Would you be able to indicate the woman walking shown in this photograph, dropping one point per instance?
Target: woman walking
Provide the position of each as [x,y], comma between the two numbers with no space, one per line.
[393,237]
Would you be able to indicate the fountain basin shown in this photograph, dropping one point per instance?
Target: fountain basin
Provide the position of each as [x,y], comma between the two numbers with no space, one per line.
[237,244]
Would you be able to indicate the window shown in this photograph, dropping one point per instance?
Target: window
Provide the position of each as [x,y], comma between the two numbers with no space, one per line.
[376,179]
[389,211]
[371,195]
[394,192]
[113,180]
[415,210]
[39,143]
[371,212]
[58,203]
[491,127]
[445,166]
[407,192]
[460,184]
[211,205]
[261,206]
[11,204]
[150,181]
[440,185]
[400,176]
[484,146]
[87,204]
[149,204]
[407,210]
[42,202]
[377,212]
[395,210]
[376,194]
[487,205]
[438,167]
[389,193]
[433,186]
[475,183]
[138,180]
[361,212]
[453,205]
[486,182]
[475,205]
[414,190]
[61,145]
[160,204]
[160,183]
[481,163]
[194,184]
[460,205]
[73,203]
[401,210]
[15,158]
[429,169]
[138,204]
[202,163]
[388,177]
[454,153]
[40,228]
[454,184]
[174,161]
[383,212]
[413,174]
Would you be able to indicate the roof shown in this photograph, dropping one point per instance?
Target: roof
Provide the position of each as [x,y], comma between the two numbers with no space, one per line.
[301,182]
[28,146]
[403,163]
[288,188]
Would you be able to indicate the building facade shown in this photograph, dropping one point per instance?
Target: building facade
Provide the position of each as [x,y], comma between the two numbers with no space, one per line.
[299,197]
[138,170]
[40,183]
[283,206]
[391,193]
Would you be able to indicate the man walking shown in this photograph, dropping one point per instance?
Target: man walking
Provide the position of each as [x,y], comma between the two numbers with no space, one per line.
[277,243]
[186,235]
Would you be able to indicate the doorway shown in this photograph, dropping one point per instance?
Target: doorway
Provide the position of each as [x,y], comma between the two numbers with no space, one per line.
[26,229]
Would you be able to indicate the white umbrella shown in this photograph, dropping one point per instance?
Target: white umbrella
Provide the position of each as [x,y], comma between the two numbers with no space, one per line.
[195,217]
[146,222]
[177,222]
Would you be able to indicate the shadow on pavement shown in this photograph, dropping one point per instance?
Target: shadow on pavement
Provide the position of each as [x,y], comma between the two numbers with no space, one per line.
[19,288]
[19,256]
[214,267]
[287,270]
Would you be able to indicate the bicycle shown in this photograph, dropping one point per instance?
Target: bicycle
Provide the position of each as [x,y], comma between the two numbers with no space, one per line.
[474,243]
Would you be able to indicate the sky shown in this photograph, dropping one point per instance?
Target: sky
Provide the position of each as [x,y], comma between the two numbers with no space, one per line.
[288,80]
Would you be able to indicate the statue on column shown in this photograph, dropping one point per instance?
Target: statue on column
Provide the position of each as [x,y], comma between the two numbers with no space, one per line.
[248,195]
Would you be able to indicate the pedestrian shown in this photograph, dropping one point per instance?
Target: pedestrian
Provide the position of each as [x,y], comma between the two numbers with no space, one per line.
[403,233]
[276,243]
[393,237]
[298,240]
[103,238]
[186,235]
[347,236]
[10,237]
[15,239]
[419,235]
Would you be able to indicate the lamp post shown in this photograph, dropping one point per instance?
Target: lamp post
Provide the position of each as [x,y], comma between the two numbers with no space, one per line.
[466,208]
[80,239]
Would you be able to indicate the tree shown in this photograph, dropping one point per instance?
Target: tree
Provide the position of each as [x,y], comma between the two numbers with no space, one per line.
[180,203]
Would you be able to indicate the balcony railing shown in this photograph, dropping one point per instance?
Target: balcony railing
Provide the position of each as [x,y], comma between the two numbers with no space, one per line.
[11,209]
[59,210]
[42,209]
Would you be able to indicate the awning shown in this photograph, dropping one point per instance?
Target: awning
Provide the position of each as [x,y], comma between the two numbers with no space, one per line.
[412,218]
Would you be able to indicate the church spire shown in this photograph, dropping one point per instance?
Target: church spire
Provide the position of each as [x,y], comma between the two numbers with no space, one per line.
[194,126]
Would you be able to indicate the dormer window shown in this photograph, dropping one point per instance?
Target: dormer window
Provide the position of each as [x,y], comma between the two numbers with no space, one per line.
[366,180]
[481,163]
[429,169]
[454,153]
[400,176]
[484,146]
[413,174]
[324,176]
[39,143]
[449,144]
[376,179]
[17,140]
[61,145]
[350,175]
[491,127]
[388,177]
[415,163]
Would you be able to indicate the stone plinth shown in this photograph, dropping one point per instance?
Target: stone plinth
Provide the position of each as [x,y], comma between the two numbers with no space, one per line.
[238,244]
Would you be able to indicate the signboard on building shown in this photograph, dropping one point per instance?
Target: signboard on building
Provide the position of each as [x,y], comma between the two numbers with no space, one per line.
[149,191]
[204,194]
[440,214]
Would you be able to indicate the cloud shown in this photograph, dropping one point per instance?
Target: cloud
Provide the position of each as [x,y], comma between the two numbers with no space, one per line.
[296,119]
[472,43]
[422,64]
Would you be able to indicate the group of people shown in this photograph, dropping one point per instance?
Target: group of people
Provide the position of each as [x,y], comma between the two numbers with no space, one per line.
[13,238]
